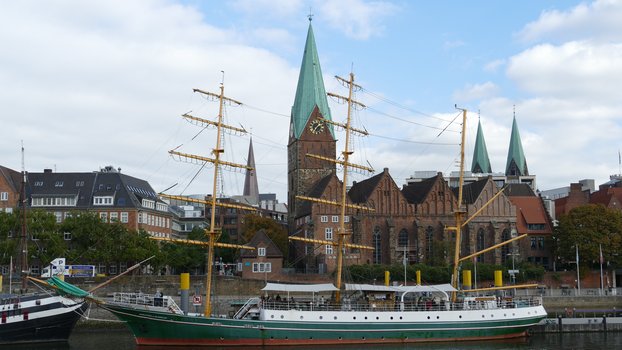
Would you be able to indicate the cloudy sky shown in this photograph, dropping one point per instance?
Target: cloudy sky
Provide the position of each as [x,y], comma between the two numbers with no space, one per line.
[87,84]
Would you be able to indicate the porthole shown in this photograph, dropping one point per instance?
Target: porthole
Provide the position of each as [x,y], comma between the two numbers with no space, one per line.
[483,316]
[492,316]
[271,316]
[437,317]
[377,317]
[460,316]
[282,317]
[354,318]
[391,317]
[401,318]
[221,338]
[339,338]
[301,317]
[428,317]
[334,318]
[321,317]
[365,317]
[363,338]
[505,315]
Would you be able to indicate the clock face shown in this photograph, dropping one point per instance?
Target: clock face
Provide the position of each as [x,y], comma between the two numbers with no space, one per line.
[316,126]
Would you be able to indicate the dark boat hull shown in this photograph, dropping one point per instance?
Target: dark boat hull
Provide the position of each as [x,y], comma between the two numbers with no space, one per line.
[55,326]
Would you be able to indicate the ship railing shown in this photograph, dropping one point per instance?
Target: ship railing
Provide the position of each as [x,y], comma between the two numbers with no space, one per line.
[146,300]
[250,303]
[383,305]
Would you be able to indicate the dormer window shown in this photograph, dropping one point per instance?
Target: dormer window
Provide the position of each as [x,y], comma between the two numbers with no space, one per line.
[148,204]
[103,200]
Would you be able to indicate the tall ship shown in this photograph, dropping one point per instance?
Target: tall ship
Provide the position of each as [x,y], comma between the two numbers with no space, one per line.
[331,313]
[37,317]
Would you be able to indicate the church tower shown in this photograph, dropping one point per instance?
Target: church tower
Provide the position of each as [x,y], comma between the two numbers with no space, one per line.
[481,162]
[308,133]
[251,189]
[516,164]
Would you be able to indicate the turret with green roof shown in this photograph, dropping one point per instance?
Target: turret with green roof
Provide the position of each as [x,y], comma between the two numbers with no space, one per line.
[310,91]
[516,164]
[481,162]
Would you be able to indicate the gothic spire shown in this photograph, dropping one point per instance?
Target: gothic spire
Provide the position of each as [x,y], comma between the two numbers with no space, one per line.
[481,162]
[310,91]
[251,189]
[516,164]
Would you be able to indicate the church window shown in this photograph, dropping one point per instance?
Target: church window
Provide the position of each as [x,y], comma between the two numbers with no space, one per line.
[377,246]
[402,238]
[480,242]
[429,242]
[505,249]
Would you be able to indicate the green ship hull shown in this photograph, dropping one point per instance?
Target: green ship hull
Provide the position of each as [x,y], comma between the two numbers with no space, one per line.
[161,328]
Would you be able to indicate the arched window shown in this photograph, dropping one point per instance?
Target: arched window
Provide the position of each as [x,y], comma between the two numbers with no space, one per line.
[402,238]
[377,246]
[429,241]
[480,242]
[505,249]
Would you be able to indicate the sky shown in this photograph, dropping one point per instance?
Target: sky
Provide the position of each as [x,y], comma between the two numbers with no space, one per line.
[86,84]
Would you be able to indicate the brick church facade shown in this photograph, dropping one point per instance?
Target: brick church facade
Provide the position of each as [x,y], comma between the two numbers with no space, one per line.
[409,221]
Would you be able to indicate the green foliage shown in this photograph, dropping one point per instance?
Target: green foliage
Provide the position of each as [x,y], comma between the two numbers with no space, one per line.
[186,257]
[92,241]
[375,273]
[588,227]
[439,274]
[274,230]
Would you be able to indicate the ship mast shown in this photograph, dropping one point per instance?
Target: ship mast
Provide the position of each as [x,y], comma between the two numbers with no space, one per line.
[459,213]
[342,202]
[213,232]
[24,234]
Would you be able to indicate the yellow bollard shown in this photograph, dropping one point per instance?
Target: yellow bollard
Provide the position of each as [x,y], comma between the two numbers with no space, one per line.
[466,279]
[185,281]
[418,273]
[387,278]
[498,278]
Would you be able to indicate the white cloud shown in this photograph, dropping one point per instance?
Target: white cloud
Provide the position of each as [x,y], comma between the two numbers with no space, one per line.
[494,66]
[476,92]
[358,19]
[269,8]
[599,20]
[87,85]
[576,70]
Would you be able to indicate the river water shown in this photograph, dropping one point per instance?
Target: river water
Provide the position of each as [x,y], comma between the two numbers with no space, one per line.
[120,339]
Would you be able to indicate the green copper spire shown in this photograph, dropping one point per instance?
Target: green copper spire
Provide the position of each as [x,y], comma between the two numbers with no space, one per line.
[516,164]
[310,91]
[481,162]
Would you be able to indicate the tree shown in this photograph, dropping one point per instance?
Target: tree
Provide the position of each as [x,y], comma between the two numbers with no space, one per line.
[275,231]
[589,227]
[186,257]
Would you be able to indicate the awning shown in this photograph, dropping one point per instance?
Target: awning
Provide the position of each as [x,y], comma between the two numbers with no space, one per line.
[308,288]
[402,289]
